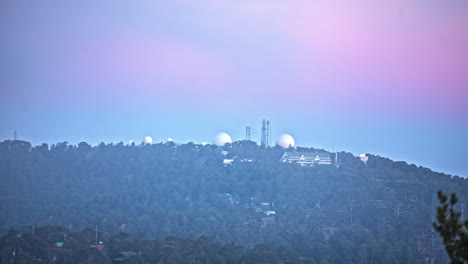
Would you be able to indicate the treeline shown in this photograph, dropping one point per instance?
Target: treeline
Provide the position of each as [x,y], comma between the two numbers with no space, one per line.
[54,244]
[379,212]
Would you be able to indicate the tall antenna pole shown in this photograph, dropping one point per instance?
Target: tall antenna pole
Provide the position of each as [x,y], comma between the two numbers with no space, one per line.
[248,134]
[96,235]
[268,136]
[263,139]
[15,136]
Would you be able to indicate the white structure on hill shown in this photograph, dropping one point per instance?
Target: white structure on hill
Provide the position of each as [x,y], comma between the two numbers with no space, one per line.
[148,140]
[227,162]
[221,139]
[285,141]
[306,158]
[364,158]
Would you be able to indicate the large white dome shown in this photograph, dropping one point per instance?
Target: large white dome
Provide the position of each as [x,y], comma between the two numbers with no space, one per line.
[148,140]
[285,141]
[221,139]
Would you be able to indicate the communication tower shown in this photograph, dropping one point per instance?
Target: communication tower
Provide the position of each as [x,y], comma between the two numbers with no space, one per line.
[266,133]
[15,135]
[336,158]
[263,136]
[248,135]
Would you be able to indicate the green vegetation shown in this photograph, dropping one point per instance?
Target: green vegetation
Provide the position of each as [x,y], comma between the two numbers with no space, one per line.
[381,212]
[453,231]
[125,248]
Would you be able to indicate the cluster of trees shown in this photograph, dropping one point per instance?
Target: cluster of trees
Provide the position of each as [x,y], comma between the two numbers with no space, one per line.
[452,228]
[379,212]
[75,247]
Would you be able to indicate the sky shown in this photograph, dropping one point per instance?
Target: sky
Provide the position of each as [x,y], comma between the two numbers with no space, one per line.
[387,77]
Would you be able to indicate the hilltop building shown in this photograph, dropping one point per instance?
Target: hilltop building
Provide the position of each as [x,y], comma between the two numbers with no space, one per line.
[364,158]
[306,158]
[227,162]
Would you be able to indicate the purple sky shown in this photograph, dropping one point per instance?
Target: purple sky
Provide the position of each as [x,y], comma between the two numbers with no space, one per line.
[388,77]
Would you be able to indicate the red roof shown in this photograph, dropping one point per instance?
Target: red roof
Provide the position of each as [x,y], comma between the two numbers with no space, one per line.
[99,247]
[55,248]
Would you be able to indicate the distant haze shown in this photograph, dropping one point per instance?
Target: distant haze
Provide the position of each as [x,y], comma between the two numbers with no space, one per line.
[385,77]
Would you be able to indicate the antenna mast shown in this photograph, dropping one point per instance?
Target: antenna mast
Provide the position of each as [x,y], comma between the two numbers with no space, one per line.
[266,133]
[336,159]
[248,135]
[263,140]
[15,135]
[268,137]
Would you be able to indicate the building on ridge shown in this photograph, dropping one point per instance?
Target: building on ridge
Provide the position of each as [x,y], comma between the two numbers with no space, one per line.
[307,158]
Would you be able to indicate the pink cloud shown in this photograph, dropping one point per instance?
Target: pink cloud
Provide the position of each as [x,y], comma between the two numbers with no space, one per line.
[396,51]
[144,60]
[421,56]
[406,52]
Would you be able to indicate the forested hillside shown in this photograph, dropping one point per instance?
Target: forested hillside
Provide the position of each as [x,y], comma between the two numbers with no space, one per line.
[379,212]
[82,248]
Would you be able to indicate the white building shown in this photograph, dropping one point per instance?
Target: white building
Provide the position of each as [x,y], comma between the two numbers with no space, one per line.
[228,161]
[306,158]
[364,158]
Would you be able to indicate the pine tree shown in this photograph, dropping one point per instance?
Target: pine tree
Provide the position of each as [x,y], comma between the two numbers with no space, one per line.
[453,230]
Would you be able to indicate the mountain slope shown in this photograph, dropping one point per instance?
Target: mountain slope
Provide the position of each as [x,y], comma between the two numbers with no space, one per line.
[354,213]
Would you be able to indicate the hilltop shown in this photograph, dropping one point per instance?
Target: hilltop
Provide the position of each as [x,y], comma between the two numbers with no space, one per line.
[381,211]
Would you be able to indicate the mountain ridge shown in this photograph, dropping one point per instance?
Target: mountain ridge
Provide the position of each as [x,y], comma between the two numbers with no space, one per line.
[162,190]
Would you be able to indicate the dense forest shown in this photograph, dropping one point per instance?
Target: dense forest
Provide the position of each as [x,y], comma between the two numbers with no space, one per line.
[376,212]
[54,244]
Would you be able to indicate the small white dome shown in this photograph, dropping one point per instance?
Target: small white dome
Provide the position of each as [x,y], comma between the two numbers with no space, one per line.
[169,139]
[221,139]
[285,141]
[131,142]
[148,140]
[204,143]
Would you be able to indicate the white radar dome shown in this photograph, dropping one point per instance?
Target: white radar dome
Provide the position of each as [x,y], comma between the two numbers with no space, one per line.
[169,139]
[221,139]
[285,141]
[148,140]
[131,142]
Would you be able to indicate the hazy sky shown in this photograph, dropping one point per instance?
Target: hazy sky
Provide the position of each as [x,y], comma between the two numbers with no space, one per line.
[388,77]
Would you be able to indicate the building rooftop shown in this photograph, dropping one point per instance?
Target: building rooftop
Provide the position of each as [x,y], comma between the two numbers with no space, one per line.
[305,155]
